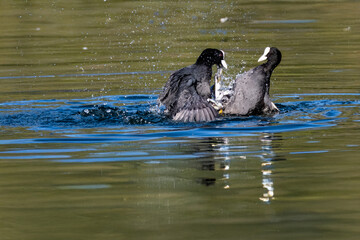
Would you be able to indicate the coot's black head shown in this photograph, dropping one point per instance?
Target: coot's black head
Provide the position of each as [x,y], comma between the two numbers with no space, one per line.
[211,56]
[273,55]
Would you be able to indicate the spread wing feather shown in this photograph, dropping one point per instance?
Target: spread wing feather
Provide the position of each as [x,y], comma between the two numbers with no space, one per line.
[195,109]
[172,89]
[183,101]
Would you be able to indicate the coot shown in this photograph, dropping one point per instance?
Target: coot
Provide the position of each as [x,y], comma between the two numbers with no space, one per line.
[186,92]
[250,93]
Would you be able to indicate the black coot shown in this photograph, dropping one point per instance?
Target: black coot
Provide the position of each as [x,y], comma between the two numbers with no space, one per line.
[251,89]
[186,92]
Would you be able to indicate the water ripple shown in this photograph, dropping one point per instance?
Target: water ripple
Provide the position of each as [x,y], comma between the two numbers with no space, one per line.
[142,111]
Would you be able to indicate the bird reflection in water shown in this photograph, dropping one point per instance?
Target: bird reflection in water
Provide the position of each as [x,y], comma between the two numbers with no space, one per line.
[268,158]
[214,161]
[224,159]
[219,155]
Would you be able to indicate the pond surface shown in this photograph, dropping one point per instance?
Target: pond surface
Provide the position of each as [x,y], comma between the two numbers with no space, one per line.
[85,152]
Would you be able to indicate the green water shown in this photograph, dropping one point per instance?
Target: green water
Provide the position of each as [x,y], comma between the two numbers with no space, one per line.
[292,177]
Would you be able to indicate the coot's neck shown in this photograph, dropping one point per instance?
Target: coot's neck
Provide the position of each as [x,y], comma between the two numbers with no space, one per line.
[273,61]
[268,69]
[203,72]
[270,65]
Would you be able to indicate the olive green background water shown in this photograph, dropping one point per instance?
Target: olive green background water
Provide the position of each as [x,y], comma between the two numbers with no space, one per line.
[164,182]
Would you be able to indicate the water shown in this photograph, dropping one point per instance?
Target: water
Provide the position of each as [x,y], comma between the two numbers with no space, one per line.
[85,152]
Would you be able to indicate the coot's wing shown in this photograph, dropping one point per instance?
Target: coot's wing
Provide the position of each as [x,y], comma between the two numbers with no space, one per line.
[171,90]
[191,107]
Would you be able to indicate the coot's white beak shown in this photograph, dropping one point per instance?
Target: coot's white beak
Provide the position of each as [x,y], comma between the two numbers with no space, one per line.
[223,63]
[264,56]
